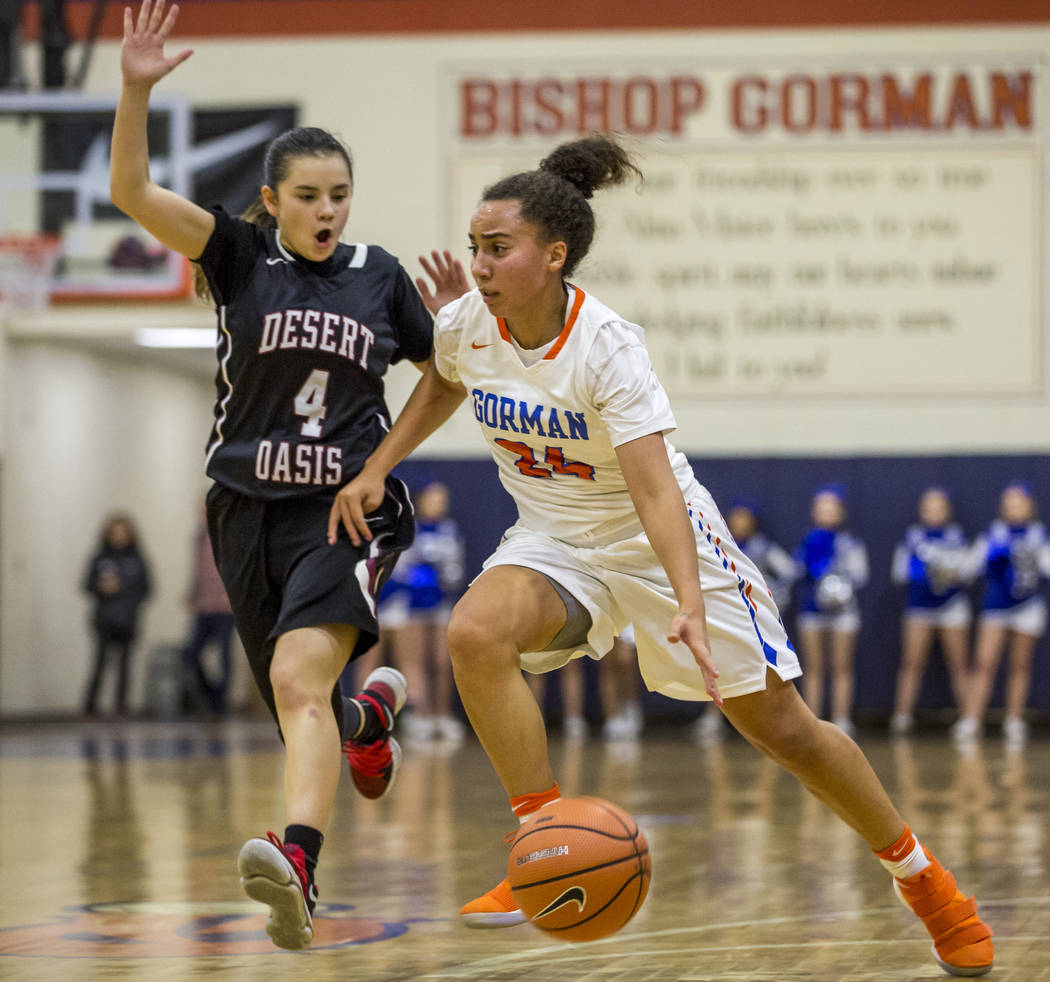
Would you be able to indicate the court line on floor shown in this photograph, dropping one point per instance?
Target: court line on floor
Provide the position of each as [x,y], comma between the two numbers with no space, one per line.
[566,955]
[589,952]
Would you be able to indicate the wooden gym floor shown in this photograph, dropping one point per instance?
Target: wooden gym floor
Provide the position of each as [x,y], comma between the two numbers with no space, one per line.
[118,845]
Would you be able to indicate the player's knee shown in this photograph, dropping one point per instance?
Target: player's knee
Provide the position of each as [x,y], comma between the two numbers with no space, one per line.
[798,740]
[471,644]
[788,738]
[291,689]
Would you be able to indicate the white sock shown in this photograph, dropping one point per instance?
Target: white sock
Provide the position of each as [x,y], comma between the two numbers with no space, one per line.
[522,819]
[911,865]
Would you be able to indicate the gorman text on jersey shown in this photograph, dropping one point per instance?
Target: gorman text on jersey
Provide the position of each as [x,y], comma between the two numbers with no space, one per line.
[518,416]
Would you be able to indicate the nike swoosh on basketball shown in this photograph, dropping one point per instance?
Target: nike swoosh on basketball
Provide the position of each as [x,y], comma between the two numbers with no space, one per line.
[577,894]
[475,345]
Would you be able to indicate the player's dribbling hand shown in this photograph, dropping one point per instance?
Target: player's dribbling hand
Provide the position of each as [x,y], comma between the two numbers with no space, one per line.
[142,58]
[364,494]
[692,631]
[450,281]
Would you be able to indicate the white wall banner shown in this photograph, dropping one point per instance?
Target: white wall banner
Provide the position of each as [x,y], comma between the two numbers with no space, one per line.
[863,226]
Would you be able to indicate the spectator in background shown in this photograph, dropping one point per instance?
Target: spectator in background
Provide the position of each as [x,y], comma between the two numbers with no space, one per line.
[777,568]
[932,561]
[1013,556]
[573,694]
[423,588]
[619,677]
[212,622]
[833,565]
[118,580]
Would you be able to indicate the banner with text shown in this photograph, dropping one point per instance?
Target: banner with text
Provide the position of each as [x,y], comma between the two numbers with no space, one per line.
[801,231]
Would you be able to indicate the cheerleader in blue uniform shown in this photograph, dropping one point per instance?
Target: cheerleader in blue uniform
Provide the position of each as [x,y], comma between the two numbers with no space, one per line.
[1013,556]
[833,566]
[932,563]
[424,586]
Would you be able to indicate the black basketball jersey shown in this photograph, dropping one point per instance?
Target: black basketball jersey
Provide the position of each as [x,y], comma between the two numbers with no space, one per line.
[303,348]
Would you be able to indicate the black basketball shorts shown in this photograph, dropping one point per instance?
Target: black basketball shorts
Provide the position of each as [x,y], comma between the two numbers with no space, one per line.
[281,573]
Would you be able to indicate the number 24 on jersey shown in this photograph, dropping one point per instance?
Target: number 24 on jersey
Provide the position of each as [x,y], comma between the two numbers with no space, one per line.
[553,457]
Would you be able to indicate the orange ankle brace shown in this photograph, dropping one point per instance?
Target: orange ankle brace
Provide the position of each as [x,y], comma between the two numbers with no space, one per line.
[526,804]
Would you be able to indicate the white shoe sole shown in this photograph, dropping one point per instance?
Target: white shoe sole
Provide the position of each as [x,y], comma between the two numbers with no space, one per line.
[394,679]
[493,919]
[395,754]
[269,877]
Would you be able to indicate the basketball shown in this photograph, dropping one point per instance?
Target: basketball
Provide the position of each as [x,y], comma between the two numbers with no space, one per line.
[579,869]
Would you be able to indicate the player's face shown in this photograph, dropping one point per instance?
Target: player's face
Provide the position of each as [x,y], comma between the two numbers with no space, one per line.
[828,511]
[311,205]
[1016,507]
[512,266]
[935,510]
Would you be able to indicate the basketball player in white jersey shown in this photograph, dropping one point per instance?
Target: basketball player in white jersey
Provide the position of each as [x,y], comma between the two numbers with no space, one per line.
[613,528]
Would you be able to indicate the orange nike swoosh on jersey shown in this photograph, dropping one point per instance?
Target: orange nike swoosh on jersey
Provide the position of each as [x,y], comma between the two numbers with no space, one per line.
[475,345]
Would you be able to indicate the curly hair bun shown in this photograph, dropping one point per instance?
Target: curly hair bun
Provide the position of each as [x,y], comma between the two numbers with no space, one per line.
[554,196]
[589,164]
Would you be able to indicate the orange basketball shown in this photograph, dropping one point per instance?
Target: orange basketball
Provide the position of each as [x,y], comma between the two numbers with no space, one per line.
[579,869]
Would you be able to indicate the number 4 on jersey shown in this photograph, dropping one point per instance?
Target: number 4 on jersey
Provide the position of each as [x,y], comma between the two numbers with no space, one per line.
[309,402]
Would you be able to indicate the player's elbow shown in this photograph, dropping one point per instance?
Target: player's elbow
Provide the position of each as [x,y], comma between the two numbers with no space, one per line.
[128,192]
[121,195]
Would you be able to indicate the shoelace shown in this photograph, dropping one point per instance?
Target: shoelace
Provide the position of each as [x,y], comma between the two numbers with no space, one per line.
[295,856]
[370,759]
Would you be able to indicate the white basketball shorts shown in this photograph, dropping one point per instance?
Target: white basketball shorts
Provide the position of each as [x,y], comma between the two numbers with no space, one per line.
[623,583]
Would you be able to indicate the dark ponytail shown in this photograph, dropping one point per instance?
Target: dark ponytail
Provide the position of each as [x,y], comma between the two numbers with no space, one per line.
[303,141]
[554,196]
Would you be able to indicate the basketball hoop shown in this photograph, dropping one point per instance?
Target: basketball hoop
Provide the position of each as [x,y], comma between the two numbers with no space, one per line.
[27,264]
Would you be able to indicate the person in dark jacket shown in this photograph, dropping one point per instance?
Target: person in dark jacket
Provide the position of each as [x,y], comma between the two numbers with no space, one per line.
[118,579]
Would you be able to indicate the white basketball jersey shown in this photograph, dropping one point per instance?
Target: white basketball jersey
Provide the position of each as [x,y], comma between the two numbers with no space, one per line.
[553,426]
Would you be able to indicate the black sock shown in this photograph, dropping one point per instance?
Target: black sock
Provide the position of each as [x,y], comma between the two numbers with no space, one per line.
[310,841]
[362,721]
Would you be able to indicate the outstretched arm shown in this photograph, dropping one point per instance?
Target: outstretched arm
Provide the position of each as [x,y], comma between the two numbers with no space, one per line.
[179,224]
[658,501]
[432,402]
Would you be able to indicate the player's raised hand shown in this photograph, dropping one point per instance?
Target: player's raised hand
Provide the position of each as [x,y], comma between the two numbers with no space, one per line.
[450,281]
[142,60]
[352,505]
[691,630]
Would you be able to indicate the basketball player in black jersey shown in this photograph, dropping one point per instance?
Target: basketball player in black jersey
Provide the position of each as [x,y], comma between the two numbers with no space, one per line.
[307,327]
